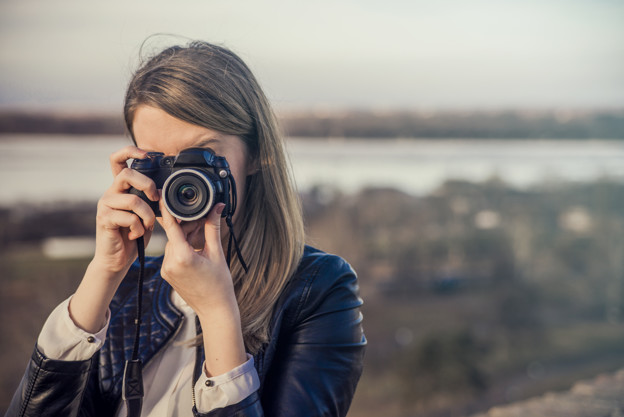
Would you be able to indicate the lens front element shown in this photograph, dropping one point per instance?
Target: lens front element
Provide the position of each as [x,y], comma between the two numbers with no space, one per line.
[188,194]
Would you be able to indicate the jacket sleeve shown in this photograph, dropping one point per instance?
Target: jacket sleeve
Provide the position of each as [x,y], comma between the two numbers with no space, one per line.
[50,387]
[318,359]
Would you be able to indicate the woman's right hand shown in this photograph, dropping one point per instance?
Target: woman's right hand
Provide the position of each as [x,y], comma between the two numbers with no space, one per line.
[121,219]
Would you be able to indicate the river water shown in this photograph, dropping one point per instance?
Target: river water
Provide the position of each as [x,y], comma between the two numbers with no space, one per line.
[46,168]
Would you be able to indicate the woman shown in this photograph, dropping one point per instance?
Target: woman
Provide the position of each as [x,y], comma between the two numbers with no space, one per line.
[282,339]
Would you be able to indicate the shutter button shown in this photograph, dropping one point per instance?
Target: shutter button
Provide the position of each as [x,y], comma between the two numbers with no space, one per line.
[90,339]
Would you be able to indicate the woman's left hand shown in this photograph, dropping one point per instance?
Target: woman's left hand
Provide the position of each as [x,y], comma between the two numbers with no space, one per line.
[202,278]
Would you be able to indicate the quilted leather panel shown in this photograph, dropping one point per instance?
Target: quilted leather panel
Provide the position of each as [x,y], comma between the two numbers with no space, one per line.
[159,320]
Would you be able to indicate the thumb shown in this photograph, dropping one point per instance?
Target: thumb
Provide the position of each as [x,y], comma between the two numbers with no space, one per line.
[212,228]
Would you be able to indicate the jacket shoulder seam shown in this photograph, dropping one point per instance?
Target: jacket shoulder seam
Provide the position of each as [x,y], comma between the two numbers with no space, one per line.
[308,286]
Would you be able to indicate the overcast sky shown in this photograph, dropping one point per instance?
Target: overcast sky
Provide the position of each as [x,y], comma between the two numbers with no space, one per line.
[435,54]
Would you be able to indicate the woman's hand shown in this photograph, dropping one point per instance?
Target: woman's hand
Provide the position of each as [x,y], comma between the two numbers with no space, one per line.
[201,276]
[121,219]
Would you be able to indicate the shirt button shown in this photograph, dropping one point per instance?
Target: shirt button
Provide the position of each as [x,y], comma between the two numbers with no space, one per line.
[209,383]
[90,339]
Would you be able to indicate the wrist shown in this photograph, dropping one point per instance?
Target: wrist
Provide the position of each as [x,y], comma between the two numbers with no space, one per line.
[89,304]
[107,270]
[219,313]
[215,300]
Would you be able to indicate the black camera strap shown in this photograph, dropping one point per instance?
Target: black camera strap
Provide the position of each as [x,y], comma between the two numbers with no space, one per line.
[132,385]
[228,221]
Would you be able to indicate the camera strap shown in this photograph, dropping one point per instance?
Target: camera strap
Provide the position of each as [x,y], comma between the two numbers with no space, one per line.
[132,385]
[228,221]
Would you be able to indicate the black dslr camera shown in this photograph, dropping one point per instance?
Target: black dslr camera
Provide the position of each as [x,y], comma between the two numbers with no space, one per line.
[192,182]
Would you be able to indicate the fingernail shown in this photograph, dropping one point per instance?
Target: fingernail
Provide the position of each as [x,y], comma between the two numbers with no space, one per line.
[220,208]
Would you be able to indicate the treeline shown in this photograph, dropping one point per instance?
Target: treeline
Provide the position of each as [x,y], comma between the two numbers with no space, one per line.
[605,124]
[61,123]
[478,124]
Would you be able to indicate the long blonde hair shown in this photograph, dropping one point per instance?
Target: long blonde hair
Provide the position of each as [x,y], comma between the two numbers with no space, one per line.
[210,86]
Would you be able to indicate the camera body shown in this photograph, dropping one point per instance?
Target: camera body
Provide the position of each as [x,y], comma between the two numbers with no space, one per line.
[192,182]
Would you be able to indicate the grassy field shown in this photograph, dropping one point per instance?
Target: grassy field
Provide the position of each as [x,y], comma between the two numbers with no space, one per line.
[31,287]
[456,360]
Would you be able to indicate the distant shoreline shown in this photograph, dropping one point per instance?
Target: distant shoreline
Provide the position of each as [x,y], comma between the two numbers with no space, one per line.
[363,124]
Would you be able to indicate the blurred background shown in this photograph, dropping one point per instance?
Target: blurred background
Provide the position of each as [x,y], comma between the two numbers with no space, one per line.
[466,157]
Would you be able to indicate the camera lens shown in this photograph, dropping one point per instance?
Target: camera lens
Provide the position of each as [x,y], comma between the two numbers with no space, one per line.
[188,194]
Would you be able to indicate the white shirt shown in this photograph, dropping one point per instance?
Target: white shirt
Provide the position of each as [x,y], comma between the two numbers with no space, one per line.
[167,378]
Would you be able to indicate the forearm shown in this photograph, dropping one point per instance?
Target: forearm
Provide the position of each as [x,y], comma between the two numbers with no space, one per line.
[224,348]
[89,304]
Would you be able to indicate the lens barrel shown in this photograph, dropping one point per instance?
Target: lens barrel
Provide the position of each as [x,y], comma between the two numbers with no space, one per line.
[188,194]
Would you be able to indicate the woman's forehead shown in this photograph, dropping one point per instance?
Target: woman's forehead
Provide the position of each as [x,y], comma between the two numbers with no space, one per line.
[156,130]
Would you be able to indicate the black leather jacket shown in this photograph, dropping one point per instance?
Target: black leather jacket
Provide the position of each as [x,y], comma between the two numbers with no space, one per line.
[310,367]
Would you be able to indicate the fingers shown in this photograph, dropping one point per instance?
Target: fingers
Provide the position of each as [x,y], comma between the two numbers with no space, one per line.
[118,160]
[119,209]
[212,229]
[171,226]
[116,219]
[130,203]
[191,235]
[127,178]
